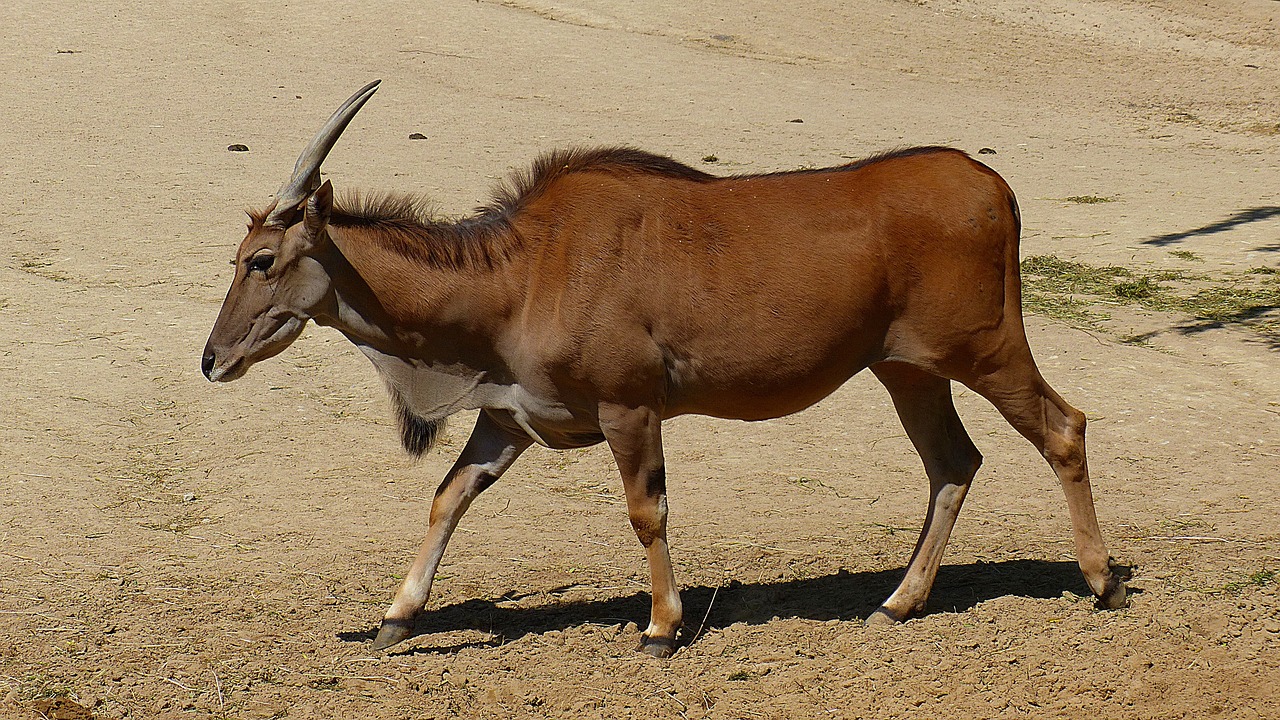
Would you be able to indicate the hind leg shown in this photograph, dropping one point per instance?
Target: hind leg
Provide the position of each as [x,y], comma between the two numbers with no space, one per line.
[924,405]
[1057,430]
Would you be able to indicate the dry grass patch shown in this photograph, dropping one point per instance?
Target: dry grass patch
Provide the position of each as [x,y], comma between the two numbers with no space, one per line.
[1071,291]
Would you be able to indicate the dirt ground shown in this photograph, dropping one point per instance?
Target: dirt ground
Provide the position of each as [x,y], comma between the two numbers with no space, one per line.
[171,549]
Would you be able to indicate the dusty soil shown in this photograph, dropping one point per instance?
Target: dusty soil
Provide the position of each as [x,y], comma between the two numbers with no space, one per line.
[169,549]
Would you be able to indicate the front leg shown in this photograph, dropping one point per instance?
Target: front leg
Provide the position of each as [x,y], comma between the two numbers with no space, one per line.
[489,452]
[635,437]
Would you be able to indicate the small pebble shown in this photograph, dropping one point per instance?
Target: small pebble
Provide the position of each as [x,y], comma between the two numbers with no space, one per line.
[237,147]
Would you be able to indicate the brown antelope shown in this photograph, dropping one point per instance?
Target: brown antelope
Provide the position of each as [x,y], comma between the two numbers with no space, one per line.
[604,291]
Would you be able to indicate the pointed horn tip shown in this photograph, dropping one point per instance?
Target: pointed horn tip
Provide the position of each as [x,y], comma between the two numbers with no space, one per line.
[306,171]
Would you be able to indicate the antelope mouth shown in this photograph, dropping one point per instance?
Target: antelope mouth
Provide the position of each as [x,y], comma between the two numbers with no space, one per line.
[224,372]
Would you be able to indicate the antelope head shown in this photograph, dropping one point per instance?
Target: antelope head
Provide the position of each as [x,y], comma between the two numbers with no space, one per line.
[280,282]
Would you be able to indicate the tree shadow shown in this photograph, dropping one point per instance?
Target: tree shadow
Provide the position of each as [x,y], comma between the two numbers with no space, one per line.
[842,596]
[1242,217]
[1266,336]
[1250,307]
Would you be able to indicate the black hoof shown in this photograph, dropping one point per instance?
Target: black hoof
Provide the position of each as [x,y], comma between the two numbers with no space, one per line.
[392,632]
[882,617]
[1114,596]
[657,647]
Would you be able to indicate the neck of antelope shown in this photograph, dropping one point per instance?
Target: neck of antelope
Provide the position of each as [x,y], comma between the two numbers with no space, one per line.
[444,318]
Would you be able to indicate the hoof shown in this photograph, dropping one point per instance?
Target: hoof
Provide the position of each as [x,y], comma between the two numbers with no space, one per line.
[882,617]
[1114,596]
[392,632]
[657,647]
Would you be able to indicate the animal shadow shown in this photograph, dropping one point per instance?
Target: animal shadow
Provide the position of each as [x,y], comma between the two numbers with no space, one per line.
[840,596]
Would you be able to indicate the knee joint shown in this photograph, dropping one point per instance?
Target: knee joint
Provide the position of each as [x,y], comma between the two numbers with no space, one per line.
[650,522]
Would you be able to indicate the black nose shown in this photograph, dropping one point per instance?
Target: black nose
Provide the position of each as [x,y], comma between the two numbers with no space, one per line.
[206,363]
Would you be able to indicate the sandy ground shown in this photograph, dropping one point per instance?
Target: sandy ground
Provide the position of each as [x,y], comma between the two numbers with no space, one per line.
[170,549]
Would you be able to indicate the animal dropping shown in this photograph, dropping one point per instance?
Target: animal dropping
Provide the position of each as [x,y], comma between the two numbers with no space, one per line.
[606,290]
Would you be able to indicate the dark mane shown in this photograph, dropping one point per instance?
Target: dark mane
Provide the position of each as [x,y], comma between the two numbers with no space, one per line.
[487,238]
[523,187]
[409,225]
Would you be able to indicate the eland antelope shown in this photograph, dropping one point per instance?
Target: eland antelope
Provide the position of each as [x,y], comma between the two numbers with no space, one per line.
[604,291]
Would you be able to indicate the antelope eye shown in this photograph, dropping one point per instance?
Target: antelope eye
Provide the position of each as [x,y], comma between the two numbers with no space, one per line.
[261,262]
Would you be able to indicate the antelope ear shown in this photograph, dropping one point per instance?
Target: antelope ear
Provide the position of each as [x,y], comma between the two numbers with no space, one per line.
[319,205]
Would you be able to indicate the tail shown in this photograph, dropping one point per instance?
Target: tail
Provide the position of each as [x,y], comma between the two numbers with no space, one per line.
[1012,309]
[1013,266]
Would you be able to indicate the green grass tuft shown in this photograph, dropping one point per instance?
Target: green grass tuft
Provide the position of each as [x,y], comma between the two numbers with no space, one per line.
[1232,302]
[1052,274]
[1143,288]
[1262,578]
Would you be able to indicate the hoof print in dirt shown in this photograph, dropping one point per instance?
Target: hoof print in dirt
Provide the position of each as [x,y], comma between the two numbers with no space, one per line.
[60,708]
